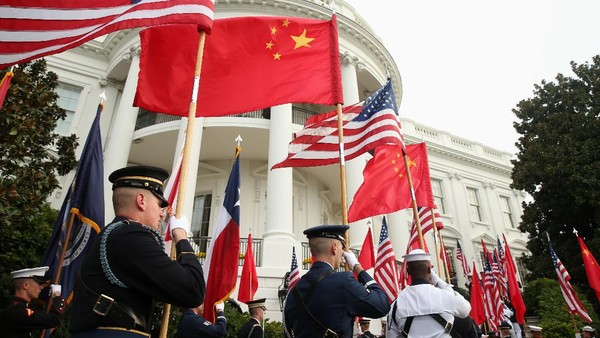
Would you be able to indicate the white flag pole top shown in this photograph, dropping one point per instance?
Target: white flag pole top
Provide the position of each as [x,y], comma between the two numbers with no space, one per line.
[239,140]
[103,97]
[575,232]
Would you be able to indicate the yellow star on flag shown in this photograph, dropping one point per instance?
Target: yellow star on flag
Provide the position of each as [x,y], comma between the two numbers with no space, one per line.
[276,56]
[285,23]
[273,30]
[302,40]
[270,45]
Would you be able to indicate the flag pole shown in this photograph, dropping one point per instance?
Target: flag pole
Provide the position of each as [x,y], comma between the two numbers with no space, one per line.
[442,246]
[340,125]
[437,253]
[187,146]
[414,202]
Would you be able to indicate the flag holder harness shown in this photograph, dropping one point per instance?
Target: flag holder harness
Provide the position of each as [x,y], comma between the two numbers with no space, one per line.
[105,306]
[317,325]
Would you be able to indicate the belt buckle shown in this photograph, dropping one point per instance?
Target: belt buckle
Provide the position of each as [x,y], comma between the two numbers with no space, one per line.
[330,333]
[448,326]
[103,305]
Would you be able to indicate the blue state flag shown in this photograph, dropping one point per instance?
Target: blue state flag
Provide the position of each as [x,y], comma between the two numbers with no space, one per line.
[81,216]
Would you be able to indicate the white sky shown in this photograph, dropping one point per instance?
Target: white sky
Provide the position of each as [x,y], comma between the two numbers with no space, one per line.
[466,64]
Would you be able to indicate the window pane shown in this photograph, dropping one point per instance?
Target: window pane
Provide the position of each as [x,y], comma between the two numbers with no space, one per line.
[68,96]
[506,212]
[438,195]
[474,207]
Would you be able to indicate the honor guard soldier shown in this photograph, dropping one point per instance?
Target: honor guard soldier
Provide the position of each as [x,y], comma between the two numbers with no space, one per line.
[126,269]
[323,303]
[365,325]
[505,328]
[194,325]
[588,332]
[253,328]
[428,306]
[536,331]
[17,318]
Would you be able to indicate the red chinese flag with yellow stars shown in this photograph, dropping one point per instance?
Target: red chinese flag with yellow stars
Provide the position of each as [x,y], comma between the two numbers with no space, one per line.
[591,267]
[249,63]
[385,188]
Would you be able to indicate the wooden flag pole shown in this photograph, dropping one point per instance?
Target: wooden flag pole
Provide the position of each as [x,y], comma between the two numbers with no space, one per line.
[340,124]
[414,202]
[183,176]
[437,252]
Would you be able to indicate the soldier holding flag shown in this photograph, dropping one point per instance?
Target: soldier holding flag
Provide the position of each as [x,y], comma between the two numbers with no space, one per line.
[126,268]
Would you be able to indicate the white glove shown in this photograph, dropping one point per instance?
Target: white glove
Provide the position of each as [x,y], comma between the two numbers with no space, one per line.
[350,259]
[437,281]
[55,288]
[180,223]
[220,306]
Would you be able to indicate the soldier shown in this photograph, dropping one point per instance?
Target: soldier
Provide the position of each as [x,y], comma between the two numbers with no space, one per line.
[126,268]
[253,328]
[505,328]
[323,303]
[17,318]
[194,325]
[423,309]
[365,325]
[588,332]
[536,331]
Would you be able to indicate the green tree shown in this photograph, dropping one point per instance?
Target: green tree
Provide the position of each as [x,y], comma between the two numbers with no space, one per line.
[543,298]
[558,164]
[31,156]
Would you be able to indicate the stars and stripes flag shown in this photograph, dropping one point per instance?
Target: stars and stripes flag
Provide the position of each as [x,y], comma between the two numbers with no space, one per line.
[33,29]
[500,274]
[573,303]
[386,269]
[221,264]
[426,224]
[491,294]
[462,259]
[366,126]
[294,271]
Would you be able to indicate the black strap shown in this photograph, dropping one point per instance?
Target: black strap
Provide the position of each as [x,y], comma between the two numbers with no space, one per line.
[407,325]
[314,321]
[121,314]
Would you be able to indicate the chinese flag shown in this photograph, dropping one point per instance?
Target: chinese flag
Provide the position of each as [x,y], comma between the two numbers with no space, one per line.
[248,63]
[516,299]
[385,188]
[477,311]
[249,279]
[591,267]
[366,258]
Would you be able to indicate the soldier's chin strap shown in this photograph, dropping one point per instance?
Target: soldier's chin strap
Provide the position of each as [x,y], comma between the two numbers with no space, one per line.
[309,316]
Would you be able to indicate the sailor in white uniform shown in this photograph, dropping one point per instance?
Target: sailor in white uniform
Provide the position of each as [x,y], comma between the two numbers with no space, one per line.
[427,307]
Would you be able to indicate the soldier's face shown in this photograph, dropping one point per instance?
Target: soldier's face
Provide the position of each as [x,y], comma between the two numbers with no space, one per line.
[154,213]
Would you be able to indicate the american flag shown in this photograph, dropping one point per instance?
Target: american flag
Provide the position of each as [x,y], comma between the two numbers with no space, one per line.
[573,303]
[491,293]
[500,274]
[294,271]
[426,224]
[463,259]
[365,127]
[386,269]
[32,29]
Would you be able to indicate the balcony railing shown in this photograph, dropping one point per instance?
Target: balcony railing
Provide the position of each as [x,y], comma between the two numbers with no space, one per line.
[202,243]
[147,118]
[307,258]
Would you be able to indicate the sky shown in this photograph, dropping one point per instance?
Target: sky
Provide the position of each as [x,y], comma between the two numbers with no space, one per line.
[466,64]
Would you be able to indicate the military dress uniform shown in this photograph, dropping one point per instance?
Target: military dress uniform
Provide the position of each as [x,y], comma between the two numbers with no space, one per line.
[126,269]
[333,298]
[18,319]
[253,329]
[429,309]
[196,326]
[367,334]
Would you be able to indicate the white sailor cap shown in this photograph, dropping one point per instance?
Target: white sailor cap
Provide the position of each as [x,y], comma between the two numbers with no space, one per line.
[534,328]
[38,274]
[587,328]
[417,255]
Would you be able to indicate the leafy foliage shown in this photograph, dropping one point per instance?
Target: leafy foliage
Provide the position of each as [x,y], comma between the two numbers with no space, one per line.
[558,165]
[544,299]
[31,155]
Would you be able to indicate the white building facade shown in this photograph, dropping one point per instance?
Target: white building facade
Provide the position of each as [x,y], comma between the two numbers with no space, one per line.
[470,181]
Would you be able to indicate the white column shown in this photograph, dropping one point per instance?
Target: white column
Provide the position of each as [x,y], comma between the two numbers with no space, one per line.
[118,143]
[399,232]
[278,235]
[192,177]
[354,168]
